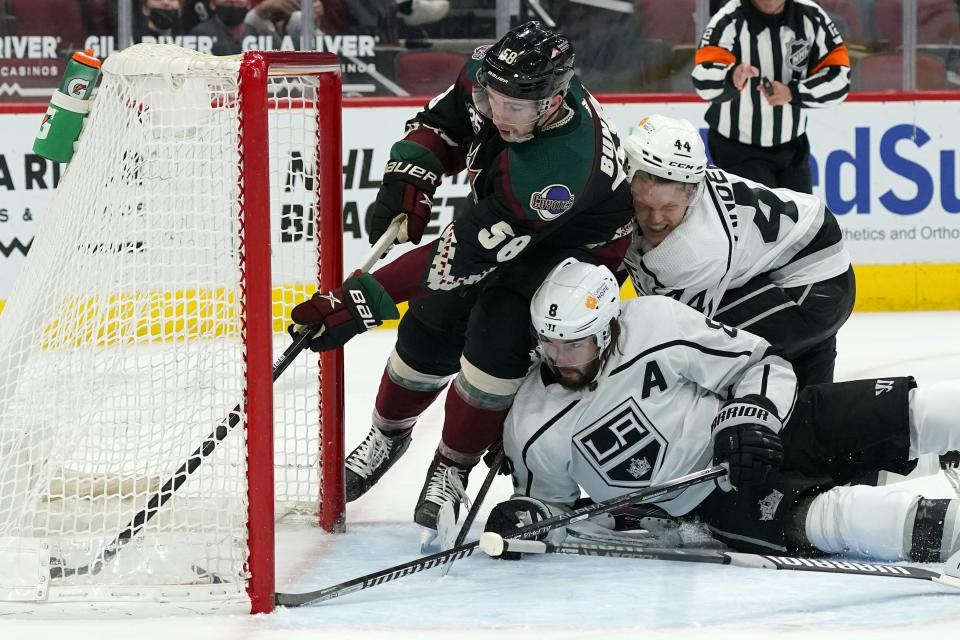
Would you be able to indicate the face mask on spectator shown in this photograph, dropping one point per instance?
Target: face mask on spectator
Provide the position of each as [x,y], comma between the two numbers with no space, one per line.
[164,19]
[230,15]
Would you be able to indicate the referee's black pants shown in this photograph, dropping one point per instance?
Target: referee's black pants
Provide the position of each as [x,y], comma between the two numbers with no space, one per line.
[784,165]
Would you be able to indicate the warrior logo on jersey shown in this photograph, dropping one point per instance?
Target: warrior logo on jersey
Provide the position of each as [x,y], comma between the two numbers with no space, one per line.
[799,52]
[623,446]
[552,202]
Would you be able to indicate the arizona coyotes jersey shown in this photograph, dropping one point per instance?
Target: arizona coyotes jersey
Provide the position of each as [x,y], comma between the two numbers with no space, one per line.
[734,230]
[564,188]
[647,419]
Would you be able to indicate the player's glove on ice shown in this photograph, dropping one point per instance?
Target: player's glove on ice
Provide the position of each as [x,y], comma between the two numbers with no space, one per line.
[507,517]
[745,435]
[360,304]
[409,181]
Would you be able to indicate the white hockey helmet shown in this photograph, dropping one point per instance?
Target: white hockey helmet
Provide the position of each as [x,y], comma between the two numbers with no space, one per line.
[667,147]
[576,300]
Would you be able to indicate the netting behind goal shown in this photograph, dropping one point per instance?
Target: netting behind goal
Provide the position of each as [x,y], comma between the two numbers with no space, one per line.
[143,316]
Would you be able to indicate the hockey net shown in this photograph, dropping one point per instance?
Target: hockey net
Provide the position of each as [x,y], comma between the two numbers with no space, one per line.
[145,314]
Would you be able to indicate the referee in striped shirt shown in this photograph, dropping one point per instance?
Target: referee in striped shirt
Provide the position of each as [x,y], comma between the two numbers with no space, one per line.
[760,64]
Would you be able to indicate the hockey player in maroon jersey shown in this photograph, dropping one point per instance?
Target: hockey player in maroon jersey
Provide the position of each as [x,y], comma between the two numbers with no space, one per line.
[635,394]
[771,261]
[545,167]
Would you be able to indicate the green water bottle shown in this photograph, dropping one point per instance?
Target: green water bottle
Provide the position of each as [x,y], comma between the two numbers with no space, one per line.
[69,105]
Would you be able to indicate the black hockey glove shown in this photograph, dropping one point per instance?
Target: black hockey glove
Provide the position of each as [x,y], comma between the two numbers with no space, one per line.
[360,304]
[507,517]
[407,190]
[490,458]
[745,436]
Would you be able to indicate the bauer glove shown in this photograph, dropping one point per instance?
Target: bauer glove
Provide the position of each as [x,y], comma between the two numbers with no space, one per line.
[411,177]
[360,304]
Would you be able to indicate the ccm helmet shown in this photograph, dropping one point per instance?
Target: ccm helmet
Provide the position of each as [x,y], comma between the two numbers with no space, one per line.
[530,63]
[576,300]
[666,147]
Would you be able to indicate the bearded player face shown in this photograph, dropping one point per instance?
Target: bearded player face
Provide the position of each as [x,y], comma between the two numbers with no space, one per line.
[574,362]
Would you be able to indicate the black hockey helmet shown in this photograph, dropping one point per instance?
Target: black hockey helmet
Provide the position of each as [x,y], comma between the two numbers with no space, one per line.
[530,62]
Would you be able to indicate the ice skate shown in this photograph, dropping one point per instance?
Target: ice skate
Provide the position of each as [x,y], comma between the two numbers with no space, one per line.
[444,483]
[368,462]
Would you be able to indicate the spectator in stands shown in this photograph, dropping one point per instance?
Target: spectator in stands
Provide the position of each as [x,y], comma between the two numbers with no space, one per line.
[294,25]
[272,15]
[99,17]
[159,18]
[194,12]
[761,64]
[363,17]
[233,20]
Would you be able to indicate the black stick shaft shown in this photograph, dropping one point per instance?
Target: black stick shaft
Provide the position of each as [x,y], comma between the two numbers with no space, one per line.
[737,559]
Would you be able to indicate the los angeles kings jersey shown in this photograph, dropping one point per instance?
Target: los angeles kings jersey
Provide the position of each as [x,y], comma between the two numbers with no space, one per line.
[734,230]
[648,418]
[565,188]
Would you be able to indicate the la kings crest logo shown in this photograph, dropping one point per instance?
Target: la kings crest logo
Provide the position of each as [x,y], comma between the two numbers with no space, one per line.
[622,446]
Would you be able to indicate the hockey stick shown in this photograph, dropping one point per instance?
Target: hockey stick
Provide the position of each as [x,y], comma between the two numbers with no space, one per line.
[210,443]
[494,545]
[464,550]
[475,507]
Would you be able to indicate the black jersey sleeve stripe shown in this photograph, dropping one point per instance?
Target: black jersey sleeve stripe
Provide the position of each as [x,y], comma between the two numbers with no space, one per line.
[656,280]
[680,343]
[724,223]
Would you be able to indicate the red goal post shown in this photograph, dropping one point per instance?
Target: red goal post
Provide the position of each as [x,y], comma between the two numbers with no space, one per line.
[256,69]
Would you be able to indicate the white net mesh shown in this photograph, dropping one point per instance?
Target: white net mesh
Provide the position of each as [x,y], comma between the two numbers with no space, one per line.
[121,345]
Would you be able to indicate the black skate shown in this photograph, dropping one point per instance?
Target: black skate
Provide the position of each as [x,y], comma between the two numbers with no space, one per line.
[444,483]
[367,463]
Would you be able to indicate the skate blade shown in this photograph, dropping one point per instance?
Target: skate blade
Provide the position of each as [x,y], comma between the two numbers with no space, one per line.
[447,528]
[427,539]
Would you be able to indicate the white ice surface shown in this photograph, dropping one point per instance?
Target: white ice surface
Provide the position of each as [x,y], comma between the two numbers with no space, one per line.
[566,597]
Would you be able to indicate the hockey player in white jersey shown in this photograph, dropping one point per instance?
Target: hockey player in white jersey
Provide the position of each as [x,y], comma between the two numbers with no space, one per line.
[623,400]
[771,261]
